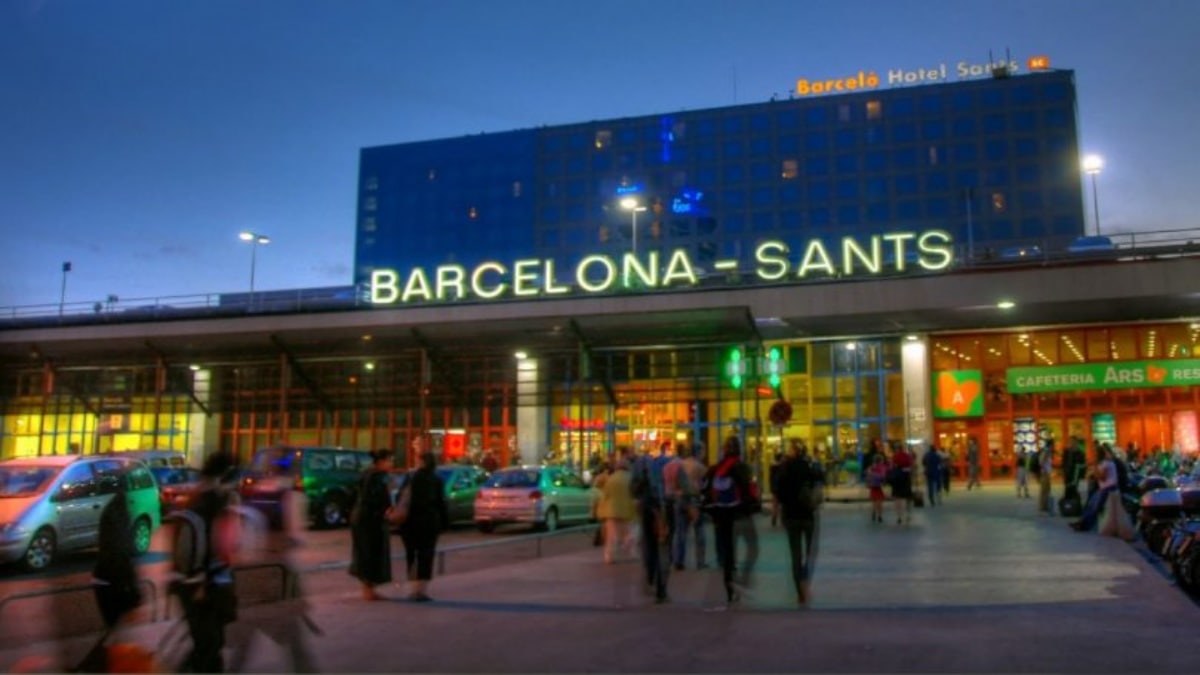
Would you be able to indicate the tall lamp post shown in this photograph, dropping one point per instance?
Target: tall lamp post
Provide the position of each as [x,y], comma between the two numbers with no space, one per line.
[62,297]
[1093,165]
[633,207]
[255,239]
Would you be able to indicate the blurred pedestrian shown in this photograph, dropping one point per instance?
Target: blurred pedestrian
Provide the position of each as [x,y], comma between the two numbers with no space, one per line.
[617,510]
[947,461]
[427,517]
[646,480]
[900,477]
[972,463]
[370,538]
[730,501]
[114,578]
[690,518]
[1045,461]
[932,463]
[800,493]
[876,478]
[1022,466]
[210,600]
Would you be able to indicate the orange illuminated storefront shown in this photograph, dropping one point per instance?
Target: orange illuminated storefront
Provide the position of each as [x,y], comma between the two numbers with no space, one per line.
[1129,385]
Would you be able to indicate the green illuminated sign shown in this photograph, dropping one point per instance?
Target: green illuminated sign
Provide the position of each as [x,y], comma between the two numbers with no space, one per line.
[735,368]
[598,273]
[958,393]
[1119,375]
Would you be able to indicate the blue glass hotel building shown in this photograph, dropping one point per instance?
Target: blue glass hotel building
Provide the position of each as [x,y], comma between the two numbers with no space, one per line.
[994,162]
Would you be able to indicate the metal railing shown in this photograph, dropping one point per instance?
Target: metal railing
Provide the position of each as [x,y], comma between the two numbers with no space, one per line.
[1115,246]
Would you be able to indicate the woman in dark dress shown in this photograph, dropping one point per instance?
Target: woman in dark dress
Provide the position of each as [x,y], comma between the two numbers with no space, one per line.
[370,548]
[427,517]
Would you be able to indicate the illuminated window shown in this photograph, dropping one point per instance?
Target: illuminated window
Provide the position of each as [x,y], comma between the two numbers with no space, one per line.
[874,110]
[369,224]
[370,204]
[933,155]
[999,203]
[371,183]
[516,188]
[432,175]
[473,213]
[791,169]
[603,139]
[843,112]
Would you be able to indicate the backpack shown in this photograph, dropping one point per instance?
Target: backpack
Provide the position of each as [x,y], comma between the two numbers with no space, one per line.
[721,490]
[189,554]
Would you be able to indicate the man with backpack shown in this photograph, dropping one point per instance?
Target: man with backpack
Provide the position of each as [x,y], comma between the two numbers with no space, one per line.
[205,541]
[730,499]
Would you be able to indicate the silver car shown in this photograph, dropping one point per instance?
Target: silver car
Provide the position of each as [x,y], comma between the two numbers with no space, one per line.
[53,504]
[543,496]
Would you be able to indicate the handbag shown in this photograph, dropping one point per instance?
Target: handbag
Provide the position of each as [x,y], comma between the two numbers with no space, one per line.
[397,514]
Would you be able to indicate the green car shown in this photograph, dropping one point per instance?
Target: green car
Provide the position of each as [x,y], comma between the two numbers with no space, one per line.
[329,477]
[462,483]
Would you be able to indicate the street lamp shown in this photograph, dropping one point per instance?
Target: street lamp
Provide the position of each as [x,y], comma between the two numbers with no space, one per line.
[255,239]
[1093,165]
[632,205]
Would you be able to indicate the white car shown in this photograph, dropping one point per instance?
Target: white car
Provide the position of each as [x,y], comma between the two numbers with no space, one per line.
[543,496]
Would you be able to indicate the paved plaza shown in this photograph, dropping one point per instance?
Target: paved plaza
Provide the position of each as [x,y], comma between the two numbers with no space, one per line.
[979,584]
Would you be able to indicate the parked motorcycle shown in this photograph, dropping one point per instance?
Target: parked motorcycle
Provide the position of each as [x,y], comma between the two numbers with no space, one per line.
[1159,509]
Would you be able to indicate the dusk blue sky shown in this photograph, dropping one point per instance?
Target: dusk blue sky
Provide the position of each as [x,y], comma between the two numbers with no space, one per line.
[138,137]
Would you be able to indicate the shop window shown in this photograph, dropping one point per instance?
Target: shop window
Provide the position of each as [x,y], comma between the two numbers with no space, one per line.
[1122,343]
[1019,350]
[1072,345]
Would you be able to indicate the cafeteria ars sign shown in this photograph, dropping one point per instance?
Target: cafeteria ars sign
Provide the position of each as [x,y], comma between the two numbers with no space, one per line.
[1118,375]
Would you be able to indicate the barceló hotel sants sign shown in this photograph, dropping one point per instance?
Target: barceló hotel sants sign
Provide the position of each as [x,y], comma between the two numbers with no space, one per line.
[963,70]
[890,252]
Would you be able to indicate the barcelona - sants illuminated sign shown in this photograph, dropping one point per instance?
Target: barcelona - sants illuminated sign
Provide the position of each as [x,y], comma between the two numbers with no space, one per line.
[774,261]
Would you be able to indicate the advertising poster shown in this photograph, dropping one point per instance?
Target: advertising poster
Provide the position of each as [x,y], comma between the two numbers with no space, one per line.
[1104,428]
[1183,430]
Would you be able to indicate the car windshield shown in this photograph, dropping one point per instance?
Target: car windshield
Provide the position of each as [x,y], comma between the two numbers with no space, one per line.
[23,481]
[169,476]
[515,478]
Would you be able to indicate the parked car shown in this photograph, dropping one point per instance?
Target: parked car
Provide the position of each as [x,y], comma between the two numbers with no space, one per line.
[329,477]
[175,486]
[1091,244]
[155,458]
[49,505]
[543,496]
[462,483]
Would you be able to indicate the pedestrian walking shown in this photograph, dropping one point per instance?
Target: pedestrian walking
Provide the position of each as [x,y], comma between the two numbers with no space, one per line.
[426,519]
[798,502]
[876,478]
[209,598]
[370,538]
[900,477]
[932,464]
[647,485]
[972,463]
[1045,464]
[730,501]
[691,519]
[947,465]
[114,577]
[617,510]
[1022,471]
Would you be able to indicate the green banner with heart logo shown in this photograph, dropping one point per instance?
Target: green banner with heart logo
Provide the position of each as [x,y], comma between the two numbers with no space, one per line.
[1117,375]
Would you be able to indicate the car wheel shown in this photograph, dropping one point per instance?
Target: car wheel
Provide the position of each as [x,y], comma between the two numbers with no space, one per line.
[41,550]
[332,512]
[486,528]
[141,536]
[551,523]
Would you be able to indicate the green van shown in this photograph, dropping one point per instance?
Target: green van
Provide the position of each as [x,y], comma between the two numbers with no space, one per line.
[329,477]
